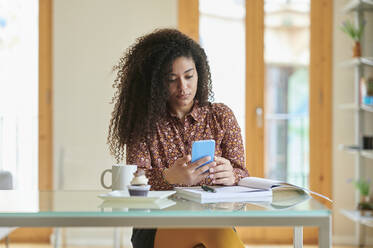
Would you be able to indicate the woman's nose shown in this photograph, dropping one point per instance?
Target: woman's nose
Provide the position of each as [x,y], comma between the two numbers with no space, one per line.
[182,84]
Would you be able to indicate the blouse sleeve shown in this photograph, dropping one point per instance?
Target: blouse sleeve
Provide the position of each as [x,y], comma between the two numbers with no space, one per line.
[232,145]
[138,153]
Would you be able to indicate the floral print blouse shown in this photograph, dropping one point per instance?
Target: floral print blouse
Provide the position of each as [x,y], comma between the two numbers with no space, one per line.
[173,139]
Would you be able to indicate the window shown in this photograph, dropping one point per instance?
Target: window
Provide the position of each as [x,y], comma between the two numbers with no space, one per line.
[222,35]
[286,56]
[19,91]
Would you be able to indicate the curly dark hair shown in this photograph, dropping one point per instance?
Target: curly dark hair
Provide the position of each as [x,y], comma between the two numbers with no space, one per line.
[141,89]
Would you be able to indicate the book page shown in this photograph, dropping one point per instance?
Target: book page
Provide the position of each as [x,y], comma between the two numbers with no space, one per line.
[264,183]
[259,183]
[235,189]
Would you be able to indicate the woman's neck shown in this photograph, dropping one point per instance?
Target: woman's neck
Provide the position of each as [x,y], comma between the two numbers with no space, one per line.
[181,112]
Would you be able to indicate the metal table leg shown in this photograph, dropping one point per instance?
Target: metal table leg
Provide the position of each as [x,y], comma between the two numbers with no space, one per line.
[116,238]
[298,237]
[325,233]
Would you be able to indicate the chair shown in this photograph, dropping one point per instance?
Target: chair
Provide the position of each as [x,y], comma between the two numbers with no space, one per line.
[6,183]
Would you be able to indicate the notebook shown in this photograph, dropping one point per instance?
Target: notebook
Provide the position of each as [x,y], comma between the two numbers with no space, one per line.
[225,194]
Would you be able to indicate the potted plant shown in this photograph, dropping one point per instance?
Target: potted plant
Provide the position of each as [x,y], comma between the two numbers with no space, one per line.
[355,33]
[365,205]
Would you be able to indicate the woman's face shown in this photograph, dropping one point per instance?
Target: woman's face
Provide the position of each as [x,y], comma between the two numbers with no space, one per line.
[182,83]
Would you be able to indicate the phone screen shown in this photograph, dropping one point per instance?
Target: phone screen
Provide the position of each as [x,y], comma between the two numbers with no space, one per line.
[203,148]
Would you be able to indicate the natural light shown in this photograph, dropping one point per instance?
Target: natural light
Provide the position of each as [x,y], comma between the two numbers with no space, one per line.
[222,35]
[19,91]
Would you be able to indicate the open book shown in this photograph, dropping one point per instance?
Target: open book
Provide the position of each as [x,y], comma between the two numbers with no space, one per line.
[282,191]
[250,189]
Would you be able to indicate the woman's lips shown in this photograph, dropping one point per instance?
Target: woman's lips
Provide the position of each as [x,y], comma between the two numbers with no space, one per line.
[185,96]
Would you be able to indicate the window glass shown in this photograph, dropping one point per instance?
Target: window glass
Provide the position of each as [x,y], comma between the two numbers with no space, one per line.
[222,35]
[287,52]
[19,91]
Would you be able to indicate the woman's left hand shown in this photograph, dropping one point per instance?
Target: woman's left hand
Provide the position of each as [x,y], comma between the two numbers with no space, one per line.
[222,173]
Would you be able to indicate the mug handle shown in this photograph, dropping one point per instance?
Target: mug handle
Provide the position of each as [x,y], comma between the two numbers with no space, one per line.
[102,179]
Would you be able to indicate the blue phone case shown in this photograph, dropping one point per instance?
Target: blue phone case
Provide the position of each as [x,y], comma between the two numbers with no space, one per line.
[203,148]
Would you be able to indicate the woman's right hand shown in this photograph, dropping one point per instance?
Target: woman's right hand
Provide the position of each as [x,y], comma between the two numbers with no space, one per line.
[183,172]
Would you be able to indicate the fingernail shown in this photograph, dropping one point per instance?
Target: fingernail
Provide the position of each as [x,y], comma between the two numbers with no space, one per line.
[211,176]
[211,170]
[213,181]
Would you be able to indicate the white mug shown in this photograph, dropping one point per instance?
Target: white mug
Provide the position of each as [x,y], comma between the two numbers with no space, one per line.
[121,176]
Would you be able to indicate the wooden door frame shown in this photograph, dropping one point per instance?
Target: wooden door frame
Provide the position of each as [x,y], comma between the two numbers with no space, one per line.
[254,92]
[45,96]
[320,114]
[321,97]
[42,235]
[320,91]
[188,18]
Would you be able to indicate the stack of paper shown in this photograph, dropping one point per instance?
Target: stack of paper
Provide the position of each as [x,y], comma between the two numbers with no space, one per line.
[225,194]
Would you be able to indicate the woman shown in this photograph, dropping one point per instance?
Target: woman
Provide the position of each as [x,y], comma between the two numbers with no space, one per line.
[163,87]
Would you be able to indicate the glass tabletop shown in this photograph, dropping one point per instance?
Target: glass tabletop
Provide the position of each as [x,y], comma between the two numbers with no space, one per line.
[88,203]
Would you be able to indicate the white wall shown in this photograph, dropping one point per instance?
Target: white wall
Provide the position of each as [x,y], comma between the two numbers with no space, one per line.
[343,126]
[89,36]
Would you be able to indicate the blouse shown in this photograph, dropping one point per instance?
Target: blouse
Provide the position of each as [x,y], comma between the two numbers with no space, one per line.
[173,139]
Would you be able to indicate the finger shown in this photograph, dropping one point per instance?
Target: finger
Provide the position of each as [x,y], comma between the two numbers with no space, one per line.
[221,175]
[200,162]
[221,167]
[224,181]
[220,160]
[205,168]
[183,160]
[202,176]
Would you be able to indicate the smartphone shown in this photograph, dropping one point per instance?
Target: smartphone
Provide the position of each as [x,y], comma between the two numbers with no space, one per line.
[203,148]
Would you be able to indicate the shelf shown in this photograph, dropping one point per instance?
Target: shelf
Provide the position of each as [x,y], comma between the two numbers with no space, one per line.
[348,106]
[367,61]
[352,106]
[355,5]
[349,148]
[355,149]
[367,154]
[368,108]
[356,216]
[361,113]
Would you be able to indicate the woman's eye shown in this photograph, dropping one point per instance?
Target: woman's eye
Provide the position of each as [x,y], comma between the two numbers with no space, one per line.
[189,76]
